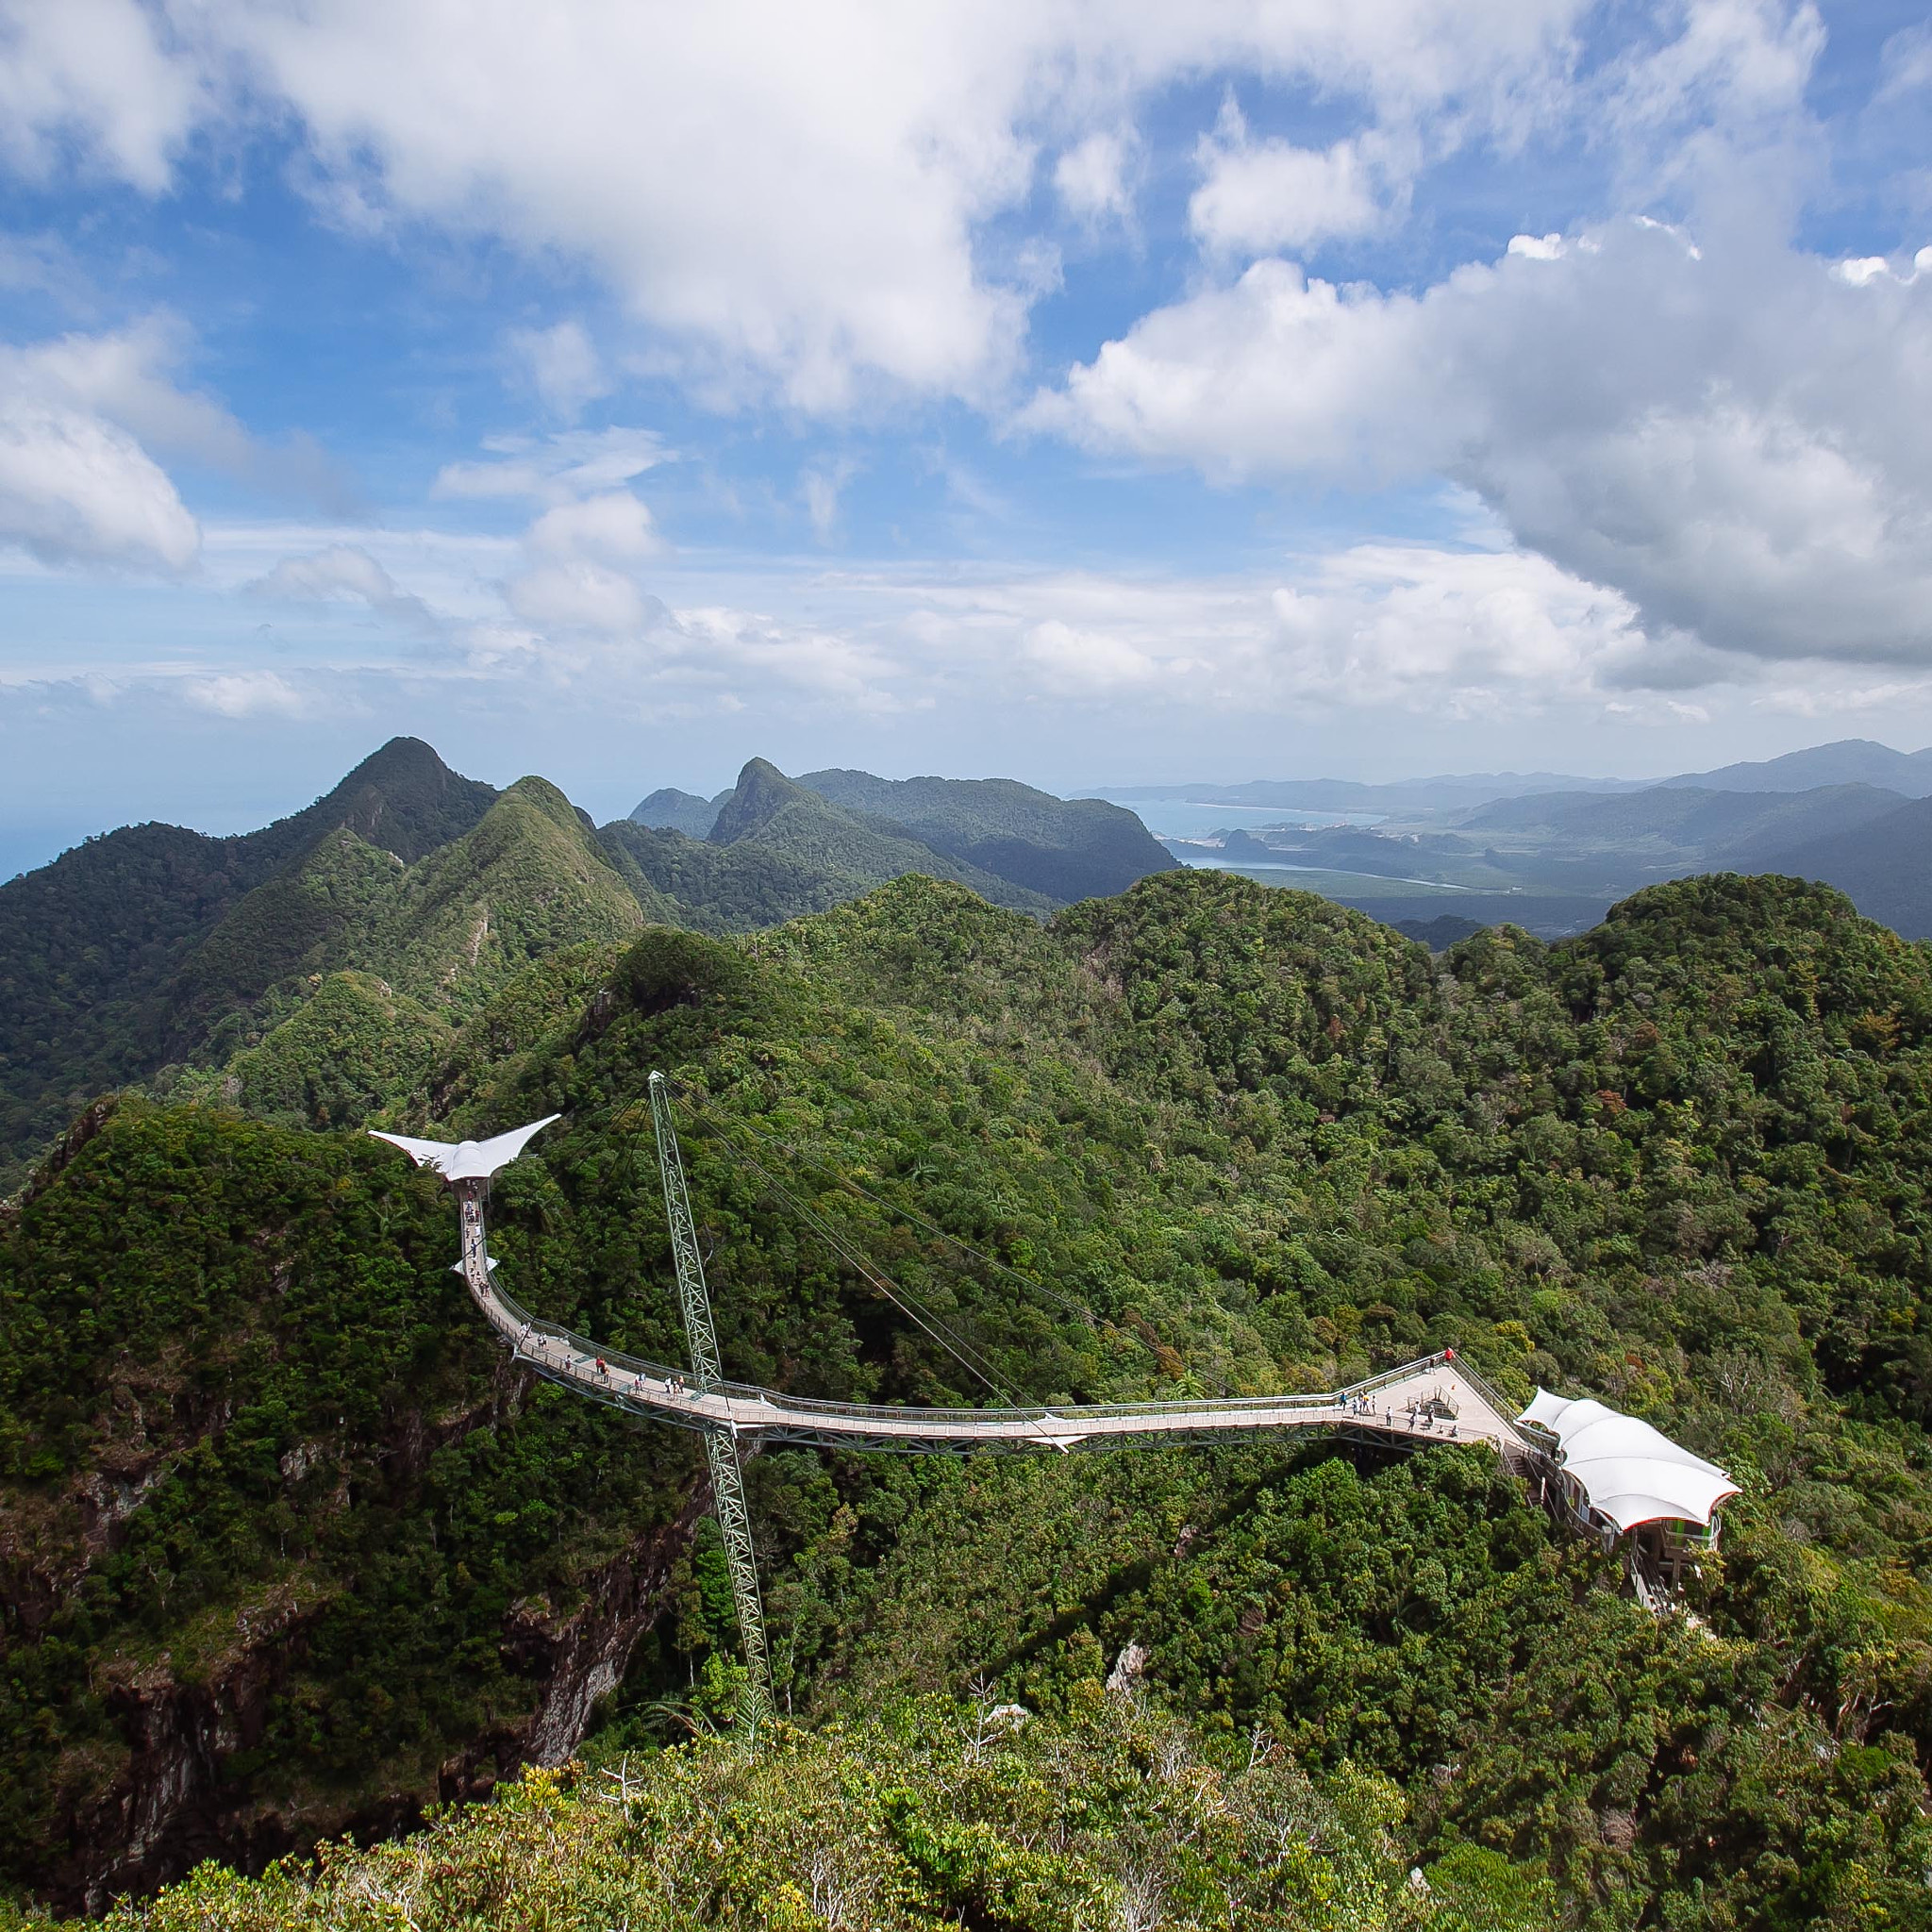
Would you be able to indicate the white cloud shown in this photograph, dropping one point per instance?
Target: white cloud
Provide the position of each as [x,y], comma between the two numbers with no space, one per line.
[75,481]
[1834,699]
[1411,628]
[1727,434]
[615,526]
[555,469]
[85,420]
[248,694]
[1085,662]
[1090,177]
[786,199]
[562,365]
[1258,196]
[75,488]
[576,581]
[346,570]
[578,594]
[128,377]
[1907,59]
[92,74]
[124,374]
[822,485]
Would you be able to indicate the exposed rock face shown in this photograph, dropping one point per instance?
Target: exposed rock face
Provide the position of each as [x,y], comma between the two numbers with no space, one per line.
[167,1812]
[584,1656]
[164,1814]
[169,1806]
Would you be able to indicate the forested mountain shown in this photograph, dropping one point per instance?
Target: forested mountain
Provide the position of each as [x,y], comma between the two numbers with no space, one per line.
[288,1547]
[1884,866]
[345,942]
[671,810]
[1078,848]
[777,849]
[88,943]
[993,833]
[1725,827]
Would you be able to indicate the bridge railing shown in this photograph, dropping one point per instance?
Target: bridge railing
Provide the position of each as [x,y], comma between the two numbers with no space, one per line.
[622,1363]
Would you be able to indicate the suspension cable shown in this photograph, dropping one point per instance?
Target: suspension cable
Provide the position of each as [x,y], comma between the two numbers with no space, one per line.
[902,1298]
[1071,1304]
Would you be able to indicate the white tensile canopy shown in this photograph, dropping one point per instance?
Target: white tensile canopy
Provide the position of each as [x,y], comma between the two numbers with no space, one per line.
[1630,1473]
[466,1160]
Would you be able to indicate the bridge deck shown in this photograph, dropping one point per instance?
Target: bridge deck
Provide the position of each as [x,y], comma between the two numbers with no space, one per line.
[1400,1404]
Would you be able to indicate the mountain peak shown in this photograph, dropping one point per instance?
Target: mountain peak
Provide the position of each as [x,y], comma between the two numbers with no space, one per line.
[404,799]
[762,791]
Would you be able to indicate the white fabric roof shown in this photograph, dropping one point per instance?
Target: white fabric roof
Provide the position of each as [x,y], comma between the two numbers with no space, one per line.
[466,1160]
[1630,1473]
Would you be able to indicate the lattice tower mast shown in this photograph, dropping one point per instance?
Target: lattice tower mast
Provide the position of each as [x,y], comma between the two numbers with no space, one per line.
[720,1440]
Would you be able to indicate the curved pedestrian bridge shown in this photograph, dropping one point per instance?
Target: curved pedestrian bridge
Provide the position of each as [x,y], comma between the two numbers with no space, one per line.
[1434,1400]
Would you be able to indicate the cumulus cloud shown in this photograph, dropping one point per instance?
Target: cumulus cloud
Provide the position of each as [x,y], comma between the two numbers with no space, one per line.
[77,488]
[1726,434]
[614,526]
[1420,629]
[578,594]
[1090,177]
[578,580]
[580,611]
[346,572]
[79,416]
[1257,196]
[129,377]
[790,199]
[249,694]
[92,76]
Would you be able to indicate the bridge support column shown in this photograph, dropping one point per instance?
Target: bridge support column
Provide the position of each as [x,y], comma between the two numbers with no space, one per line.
[720,1444]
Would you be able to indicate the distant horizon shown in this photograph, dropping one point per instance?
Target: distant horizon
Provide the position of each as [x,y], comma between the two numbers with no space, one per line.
[28,842]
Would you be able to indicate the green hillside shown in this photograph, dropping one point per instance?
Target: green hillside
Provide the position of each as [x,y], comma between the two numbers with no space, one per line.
[266,1483]
[777,851]
[940,1816]
[1069,849]
[155,956]
[88,943]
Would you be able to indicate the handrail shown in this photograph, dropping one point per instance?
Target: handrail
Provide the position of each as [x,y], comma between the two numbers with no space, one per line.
[520,1326]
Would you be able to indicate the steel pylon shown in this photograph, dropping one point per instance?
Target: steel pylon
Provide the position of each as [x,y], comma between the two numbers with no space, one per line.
[720,1442]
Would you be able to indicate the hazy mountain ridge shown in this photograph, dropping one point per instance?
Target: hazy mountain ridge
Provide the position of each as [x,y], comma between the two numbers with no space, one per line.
[1846,761]
[1445,792]
[1688,816]
[671,810]
[1554,861]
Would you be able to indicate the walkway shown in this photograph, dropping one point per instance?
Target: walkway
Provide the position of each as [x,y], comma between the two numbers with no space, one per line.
[1434,1400]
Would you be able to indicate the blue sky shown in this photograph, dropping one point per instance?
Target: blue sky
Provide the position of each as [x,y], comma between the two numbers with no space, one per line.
[1083,393]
